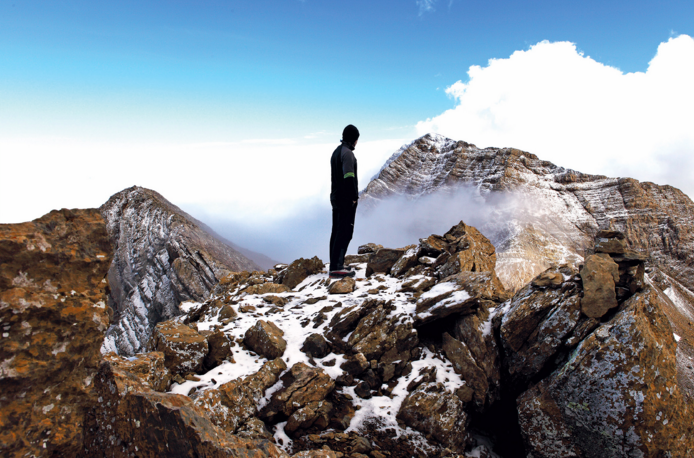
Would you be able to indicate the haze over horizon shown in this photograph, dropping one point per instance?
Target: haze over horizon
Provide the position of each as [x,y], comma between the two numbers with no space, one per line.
[231,109]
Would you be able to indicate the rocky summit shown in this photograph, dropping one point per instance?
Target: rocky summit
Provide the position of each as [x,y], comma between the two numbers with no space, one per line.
[538,214]
[162,257]
[426,354]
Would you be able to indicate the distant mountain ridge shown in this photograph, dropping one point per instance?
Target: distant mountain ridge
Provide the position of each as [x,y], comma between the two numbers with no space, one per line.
[555,212]
[162,257]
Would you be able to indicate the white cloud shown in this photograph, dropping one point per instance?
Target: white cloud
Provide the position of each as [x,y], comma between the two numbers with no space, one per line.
[256,182]
[565,107]
[425,6]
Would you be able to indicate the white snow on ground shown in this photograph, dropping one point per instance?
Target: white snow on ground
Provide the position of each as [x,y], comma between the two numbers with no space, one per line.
[298,320]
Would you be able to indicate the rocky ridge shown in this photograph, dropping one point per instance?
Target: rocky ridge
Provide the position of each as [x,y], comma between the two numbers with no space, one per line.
[162,257]
[422,352]
[544,215]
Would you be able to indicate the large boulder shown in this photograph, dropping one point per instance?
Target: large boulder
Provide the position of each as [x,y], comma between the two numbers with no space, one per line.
[132,420]
[382,260]
[435,411]
[541,321]
[459,294]
[616,396]
[234,404]
[148,367]
[302,385]
[299,270]
[184,348]
[600,274]
[219,350]
[265,338]
[464,364]
[343,286]
[53,296]
[470,251]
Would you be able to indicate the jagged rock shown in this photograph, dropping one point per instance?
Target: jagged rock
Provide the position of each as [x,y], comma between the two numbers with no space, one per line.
[355,365]
[464,364]
[382,332]
[432,246]
[53,316]
[343,286]
[299,270]
[382,260]
[184,348]
[316,346]
[459,294]
[162,257]
[267,288]
[408,260]
[314,413]
[254,428]
[219,350]
[132,420]
[431,409]
[599,274]
[265,338]
[316,454]
[616,396]
[539,321]
[227,312]
[233,406]
[363,390]
[302,385]
[610,242]
[369,248]
[476,332]
[471,251]
[148,367]
[418,284]
[357,258]
[277,301]
[549,279]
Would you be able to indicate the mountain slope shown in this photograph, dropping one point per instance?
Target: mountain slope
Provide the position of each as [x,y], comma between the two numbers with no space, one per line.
[162,257]
[543,214]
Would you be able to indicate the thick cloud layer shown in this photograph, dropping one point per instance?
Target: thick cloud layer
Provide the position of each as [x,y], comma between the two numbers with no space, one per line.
[565,107]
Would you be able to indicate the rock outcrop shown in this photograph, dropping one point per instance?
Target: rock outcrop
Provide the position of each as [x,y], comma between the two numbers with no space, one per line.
[53,314]
[162,257]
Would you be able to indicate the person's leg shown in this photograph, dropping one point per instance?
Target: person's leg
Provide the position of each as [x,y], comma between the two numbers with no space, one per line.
[345,232]
[334,251]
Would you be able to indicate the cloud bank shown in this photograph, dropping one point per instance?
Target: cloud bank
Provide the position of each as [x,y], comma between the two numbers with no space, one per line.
[565,107]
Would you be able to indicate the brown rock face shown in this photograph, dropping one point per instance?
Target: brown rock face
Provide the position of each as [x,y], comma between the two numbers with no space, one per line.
[184,349]
[148,367]
[464,364]
[539,322]
[299,270]
[234,404]
[342,286]
[265,288]
[53,316]
[599,275]
[431,409]
[162,257]
[302,385]
[265,338]
[132,420]
[616,396]
[382,260]
[219,350]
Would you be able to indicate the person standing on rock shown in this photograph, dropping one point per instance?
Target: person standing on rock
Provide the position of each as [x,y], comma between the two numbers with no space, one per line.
[344,194]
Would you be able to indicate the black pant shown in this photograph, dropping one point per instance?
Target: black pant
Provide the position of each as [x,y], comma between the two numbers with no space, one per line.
[343,228]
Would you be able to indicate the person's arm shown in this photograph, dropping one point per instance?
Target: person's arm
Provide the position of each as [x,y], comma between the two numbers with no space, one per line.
[349,175]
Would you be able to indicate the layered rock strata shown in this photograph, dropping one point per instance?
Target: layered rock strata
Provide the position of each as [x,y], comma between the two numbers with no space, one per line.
[162,257]
[538,214]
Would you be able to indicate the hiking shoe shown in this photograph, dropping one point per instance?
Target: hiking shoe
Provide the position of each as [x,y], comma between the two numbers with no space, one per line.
[341,273]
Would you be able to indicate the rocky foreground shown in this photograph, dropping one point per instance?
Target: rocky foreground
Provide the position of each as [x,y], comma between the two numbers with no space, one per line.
[423,354]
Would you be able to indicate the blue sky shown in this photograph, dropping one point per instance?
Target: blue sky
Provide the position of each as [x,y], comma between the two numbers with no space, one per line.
[228,108]
[221,71]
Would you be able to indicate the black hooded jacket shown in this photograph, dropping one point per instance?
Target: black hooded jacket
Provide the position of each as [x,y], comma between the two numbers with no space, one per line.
[343,171]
